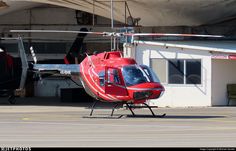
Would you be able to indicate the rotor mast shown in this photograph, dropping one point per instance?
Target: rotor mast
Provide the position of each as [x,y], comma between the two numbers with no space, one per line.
[114,41]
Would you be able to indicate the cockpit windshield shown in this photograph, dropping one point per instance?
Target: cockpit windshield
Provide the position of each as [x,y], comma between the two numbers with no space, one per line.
[153,77]
[134,75]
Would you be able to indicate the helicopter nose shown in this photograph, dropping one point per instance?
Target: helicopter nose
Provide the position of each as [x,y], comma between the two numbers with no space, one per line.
[142,95]
[157,93]
[148,91]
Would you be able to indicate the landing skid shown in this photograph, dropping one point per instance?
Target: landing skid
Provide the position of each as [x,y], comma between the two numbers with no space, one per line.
[104,117]
[146,116]
[129,107]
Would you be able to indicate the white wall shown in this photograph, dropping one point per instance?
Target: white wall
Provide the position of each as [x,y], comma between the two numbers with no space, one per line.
[223,73]
[179,95]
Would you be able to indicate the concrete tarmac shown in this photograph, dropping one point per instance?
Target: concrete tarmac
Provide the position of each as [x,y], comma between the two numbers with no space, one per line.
[45,123]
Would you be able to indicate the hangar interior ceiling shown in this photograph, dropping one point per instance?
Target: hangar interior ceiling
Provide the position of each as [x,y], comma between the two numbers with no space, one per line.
[185,16]
[151,12]
[171,16]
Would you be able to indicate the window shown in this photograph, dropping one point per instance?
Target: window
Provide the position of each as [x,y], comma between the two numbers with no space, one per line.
[113,76]
[193,71]
[150,73]
[178,71]
[102,78]
[186,71]
[134,75]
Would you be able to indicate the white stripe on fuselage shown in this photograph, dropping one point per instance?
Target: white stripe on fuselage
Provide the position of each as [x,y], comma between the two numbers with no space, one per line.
[144,89]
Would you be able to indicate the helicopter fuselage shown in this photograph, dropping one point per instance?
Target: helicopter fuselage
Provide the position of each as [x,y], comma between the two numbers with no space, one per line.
[111,78]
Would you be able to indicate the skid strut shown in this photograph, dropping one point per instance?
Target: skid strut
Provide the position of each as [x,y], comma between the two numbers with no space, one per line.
[130,108]
[95,103]
[113,109]
[145,106]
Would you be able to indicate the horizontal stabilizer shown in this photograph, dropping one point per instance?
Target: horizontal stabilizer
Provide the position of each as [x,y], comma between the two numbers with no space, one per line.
[63,69]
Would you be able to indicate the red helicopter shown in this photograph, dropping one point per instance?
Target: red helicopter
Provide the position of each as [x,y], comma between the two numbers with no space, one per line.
[108,76]
[111,78]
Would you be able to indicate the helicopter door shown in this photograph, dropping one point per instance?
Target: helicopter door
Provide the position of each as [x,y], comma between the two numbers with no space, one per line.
[113,82]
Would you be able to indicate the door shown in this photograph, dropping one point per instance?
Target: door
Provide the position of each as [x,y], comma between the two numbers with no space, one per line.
[114,84]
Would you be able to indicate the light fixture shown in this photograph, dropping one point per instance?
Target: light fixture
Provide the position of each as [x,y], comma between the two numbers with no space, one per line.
[3,5]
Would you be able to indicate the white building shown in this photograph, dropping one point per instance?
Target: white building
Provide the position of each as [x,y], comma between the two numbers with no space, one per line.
[194,73]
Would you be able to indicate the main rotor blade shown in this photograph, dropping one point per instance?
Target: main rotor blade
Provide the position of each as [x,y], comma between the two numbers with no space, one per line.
[10,38]
[117,34]
[174,35]
[56,31]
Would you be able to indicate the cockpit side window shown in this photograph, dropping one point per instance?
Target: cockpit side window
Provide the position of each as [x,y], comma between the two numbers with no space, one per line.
[102,78]
[153,77]
[113,76]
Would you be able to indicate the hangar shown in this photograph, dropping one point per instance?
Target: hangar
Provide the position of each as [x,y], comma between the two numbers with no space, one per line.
[171,16]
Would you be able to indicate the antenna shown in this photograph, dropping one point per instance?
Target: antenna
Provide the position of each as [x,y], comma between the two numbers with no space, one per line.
[90,60]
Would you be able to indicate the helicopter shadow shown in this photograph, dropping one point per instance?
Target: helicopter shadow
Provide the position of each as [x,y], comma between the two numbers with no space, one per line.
[151,117]
[176,116]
